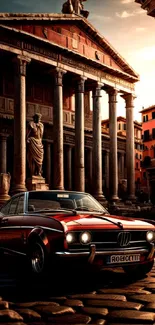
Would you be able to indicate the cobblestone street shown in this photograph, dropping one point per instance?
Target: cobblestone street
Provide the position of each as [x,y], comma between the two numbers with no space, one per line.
[107,298]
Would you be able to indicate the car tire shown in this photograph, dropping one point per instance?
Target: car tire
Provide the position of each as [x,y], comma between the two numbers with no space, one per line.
[37,258]
[139,271]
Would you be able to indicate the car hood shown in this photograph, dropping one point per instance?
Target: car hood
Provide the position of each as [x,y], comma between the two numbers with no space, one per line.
[87,221]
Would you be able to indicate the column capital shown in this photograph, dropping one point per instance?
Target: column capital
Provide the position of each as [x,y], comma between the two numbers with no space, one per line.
[112,92]
[59,73]
[80,84]
[20,62]
[129,98]
[97,89]
[4,136]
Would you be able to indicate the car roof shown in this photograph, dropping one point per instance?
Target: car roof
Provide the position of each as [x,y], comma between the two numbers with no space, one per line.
[51,191]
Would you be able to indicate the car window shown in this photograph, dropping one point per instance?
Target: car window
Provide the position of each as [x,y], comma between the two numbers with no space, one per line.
[5,208]
[13,205]
[20,206]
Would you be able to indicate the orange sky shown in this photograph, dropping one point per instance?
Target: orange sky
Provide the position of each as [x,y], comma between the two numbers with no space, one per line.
[126,26]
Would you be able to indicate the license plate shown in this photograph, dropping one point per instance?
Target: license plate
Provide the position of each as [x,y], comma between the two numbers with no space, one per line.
[115,259]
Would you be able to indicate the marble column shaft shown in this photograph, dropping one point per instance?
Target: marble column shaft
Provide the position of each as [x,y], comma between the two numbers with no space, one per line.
[107,169]
[97,143]
[48,163]
[58,130]
[113,176]
[130,145]
[19,173]
[89,167]
[68,150]
[3,153]
[79,136]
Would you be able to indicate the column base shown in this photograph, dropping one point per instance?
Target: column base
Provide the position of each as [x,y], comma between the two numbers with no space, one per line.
[37,183]
[17,188]
[4,199]
[101,199]
[114,198]
[131,198]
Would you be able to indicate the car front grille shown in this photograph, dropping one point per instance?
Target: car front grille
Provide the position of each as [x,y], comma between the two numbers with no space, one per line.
[114,240]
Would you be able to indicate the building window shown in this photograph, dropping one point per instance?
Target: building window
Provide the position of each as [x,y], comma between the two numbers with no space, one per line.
[153,115]
[136,165]
[146,135]
[153,133]
[145,118]
[124,126]
[136,155]
[119,126]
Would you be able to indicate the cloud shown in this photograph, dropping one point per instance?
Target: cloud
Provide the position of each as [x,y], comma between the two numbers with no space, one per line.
[145,54]
[126,14]
[140,29]
[127,1]
[101,18]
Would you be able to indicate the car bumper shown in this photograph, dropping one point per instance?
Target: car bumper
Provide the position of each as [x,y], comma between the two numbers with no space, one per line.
[92,253]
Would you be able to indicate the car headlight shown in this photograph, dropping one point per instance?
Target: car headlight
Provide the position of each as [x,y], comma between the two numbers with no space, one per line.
[70,238]
[150,236]
[85,237]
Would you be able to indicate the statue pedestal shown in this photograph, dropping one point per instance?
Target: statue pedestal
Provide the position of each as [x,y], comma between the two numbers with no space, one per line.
[37,183]
[4,187]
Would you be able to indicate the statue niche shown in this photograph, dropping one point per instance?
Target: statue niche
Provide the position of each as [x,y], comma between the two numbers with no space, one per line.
[35,150]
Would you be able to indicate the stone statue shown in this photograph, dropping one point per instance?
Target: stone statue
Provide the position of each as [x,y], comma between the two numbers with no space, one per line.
[35,150]
[75,6]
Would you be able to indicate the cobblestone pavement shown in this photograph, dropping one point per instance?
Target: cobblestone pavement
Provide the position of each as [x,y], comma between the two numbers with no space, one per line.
[110,298]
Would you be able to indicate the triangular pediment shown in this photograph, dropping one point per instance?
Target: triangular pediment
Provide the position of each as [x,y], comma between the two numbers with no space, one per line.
[73,33]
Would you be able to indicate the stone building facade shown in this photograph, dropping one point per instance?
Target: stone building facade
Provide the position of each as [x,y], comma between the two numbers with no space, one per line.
[58,65]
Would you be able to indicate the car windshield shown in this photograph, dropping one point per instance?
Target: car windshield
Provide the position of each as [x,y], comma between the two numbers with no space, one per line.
[66,200]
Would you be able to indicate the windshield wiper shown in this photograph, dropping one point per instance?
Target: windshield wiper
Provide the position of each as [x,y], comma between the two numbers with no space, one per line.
[53,210]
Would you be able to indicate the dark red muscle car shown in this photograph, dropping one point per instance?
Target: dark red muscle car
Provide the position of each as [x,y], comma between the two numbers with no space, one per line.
[52,227]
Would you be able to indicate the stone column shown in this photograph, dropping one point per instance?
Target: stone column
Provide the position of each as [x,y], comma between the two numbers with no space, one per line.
[68,150]
[79,136]
[130,151]
[19,163]
[107,170]
[122,166]
[58,130]
[89,168]
[3,153]
[97,144]
[113,176]
[48,163]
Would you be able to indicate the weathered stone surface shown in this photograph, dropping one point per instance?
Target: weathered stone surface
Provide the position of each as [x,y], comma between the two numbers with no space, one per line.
[70,319]
[150,306]
[99,296]
[34,303]
[54,310]
[100,322]
[4,304]
[58,299]
[95,311]
[124,291]
[150,286]
[114,304]
[16,323]
[9,315]
[73,303]
[143,298]
[29,315]
[134,315]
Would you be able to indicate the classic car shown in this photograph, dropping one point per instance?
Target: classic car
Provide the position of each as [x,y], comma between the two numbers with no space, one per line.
[54,227]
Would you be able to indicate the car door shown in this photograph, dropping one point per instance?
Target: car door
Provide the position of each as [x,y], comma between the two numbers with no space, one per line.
[10,226]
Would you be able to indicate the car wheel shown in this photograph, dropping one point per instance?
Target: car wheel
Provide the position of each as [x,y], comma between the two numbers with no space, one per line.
[139,270]
[37,258]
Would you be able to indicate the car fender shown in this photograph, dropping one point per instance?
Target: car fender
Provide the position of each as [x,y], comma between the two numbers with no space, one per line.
[39,234]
